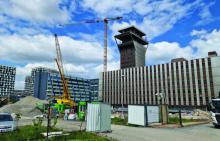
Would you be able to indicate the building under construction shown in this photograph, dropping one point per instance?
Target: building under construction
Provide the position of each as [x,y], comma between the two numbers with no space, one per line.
[7,80]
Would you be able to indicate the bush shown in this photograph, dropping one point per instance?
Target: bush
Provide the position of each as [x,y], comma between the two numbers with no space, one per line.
[175,120]
[24,133]
[38,121]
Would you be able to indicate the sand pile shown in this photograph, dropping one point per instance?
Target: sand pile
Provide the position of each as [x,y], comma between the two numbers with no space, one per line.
[26,107]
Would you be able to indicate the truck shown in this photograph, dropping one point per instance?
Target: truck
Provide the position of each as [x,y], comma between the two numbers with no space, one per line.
[214,108]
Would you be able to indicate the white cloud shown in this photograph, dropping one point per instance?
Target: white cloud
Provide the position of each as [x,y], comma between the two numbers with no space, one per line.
[205,14]
[23,71]
[163,52]
[198,33]
[102,7]
[35,11]
[41,48]
[205,43]
[159,16]
[80,58]
[87,71]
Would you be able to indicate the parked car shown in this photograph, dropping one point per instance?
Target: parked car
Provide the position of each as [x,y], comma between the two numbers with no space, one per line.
[7,123]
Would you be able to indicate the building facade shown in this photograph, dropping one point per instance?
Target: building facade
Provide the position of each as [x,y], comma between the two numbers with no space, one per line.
[183,82]
[47,83]
[7,80]
[131,47]
[94,87]
[19,93]
[28,86]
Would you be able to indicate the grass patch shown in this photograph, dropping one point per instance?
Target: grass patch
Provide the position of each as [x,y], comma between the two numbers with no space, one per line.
[175,120]
[27,133]
[82,136]
[120,121]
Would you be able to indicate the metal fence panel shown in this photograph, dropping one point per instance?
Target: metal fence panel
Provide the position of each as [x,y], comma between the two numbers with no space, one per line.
[136,115]
[152,114]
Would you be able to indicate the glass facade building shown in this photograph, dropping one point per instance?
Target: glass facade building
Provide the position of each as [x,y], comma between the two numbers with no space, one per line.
[47,82]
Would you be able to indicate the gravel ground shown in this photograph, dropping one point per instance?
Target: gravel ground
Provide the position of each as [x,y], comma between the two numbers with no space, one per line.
[204,132]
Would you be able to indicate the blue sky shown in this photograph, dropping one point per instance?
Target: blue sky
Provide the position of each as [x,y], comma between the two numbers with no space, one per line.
[183,28]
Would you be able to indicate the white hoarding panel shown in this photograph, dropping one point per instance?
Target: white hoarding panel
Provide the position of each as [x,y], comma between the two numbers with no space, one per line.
[152,114]
[105,122]
[93,118]
[98,117]
[136,115]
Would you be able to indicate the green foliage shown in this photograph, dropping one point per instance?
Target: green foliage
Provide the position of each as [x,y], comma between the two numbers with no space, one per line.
[38,121]
[81,136]
[120,121]
[23,133]
[175,120]
[17,116]
[27,133]
[55,120]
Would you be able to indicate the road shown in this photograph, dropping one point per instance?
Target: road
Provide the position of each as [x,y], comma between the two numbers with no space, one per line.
[204,132]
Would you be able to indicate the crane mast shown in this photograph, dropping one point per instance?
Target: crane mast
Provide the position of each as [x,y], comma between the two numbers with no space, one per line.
[59,62]
[105,21]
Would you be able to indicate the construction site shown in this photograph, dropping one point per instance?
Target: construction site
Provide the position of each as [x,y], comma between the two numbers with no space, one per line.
[102,115]
[171,100]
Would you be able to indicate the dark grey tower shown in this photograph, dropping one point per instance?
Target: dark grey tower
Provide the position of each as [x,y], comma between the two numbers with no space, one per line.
[131,47]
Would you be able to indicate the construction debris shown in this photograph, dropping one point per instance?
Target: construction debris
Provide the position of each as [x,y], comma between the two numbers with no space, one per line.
[196,114]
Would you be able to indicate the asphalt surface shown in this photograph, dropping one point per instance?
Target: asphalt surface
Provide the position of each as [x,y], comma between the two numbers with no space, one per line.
[205,132]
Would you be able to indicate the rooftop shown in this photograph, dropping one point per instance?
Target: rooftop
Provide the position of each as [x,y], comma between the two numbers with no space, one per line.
[132,28]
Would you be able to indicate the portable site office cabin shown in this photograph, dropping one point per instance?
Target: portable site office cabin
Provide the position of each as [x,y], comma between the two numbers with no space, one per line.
[98,117]
[143,115]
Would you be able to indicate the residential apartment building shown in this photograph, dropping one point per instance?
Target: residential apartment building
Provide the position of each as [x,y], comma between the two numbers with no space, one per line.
[7,80]
[47,83]
[183,82]
[28,86]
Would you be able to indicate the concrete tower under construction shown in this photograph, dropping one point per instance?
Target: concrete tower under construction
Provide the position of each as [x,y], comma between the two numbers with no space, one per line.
[131,47]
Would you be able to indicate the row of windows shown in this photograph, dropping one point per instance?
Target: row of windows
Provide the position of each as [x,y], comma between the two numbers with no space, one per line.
[179,80]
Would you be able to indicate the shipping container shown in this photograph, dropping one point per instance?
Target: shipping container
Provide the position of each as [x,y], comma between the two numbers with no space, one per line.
[98,117]
[143,115]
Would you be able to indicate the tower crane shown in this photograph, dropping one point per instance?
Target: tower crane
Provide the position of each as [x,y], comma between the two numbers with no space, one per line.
[105,21]
[64,100]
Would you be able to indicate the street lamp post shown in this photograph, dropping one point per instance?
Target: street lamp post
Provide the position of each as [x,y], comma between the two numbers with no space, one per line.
[164,112]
